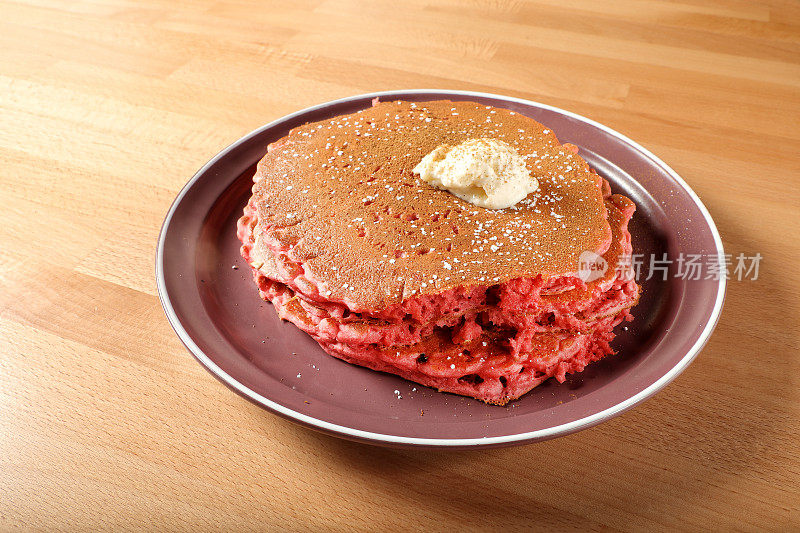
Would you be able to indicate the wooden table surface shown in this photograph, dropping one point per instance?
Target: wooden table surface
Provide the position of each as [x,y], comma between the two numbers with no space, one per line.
[108,107]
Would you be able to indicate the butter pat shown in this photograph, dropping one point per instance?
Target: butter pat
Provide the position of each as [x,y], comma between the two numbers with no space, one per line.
[484,172]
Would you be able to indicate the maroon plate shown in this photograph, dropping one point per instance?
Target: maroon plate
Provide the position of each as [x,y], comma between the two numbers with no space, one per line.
[209,296]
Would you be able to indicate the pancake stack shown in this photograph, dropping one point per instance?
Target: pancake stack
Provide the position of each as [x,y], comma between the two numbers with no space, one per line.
[387,272]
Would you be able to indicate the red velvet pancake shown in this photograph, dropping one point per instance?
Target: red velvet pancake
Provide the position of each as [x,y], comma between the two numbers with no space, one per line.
[387,272]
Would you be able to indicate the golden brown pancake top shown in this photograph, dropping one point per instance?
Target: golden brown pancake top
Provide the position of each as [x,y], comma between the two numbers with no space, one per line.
[340,197]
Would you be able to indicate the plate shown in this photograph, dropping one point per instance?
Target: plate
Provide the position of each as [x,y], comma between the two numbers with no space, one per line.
[210,299]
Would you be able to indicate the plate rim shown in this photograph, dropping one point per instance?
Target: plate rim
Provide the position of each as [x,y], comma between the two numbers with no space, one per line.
[472,442]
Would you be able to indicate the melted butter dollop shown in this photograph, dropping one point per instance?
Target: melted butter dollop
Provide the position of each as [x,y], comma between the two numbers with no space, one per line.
[484,172]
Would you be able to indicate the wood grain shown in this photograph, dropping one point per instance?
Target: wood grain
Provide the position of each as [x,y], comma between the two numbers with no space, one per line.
[108,107]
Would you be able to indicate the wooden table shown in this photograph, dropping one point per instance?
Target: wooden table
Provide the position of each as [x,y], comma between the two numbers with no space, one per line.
[107,109]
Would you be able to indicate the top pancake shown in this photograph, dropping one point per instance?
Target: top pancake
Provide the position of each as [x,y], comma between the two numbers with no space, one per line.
[339,197]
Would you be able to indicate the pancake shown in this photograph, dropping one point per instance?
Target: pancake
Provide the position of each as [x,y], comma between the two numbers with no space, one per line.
[339,196]
[387,272]
[480,368]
